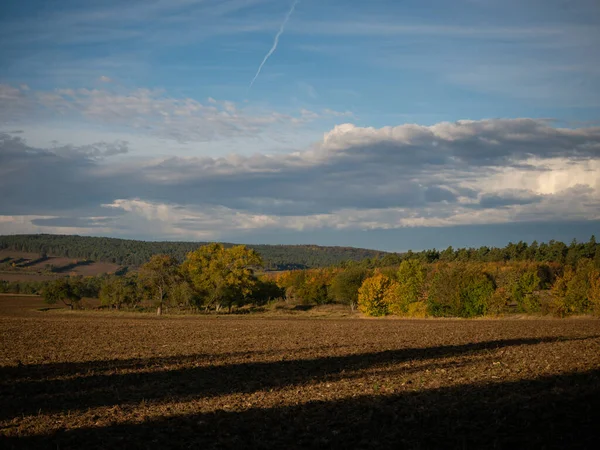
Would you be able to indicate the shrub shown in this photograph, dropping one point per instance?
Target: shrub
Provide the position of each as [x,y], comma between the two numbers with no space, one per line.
[497,302]
[417,310]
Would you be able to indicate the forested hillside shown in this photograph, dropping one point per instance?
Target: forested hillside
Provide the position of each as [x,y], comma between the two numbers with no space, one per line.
[134,253]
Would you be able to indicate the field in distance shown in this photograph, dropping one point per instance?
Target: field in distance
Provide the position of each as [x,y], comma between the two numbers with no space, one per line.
[89,380]
[26,266]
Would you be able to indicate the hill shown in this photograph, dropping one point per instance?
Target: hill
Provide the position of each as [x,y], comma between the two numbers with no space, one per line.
[125,252]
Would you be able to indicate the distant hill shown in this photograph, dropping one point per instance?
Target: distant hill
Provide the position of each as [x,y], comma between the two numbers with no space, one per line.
[127,252]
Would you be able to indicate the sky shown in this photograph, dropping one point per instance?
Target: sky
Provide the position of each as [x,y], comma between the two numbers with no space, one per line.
[387,124]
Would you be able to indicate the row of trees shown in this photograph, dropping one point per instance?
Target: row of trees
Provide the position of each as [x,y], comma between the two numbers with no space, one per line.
[212,276]
[452,289]
[553,251]
[215,277]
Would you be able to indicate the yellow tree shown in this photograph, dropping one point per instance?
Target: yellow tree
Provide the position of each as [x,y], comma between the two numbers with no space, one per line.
[594,291]
[408,289]
[372,293]
[221,276]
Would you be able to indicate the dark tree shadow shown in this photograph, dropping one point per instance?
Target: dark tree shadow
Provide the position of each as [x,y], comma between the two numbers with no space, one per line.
[556,412]
[82,390]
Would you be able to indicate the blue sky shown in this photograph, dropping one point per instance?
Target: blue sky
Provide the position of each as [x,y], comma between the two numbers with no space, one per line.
[386,124]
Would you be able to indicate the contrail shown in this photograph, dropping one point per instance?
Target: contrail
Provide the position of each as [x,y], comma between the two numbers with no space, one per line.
[274,47]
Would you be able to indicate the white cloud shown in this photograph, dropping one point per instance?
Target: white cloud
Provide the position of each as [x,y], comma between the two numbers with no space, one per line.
[468,172]
[151,110]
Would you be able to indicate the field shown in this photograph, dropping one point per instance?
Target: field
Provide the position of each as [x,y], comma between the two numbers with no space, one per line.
[32,267]
[123,380]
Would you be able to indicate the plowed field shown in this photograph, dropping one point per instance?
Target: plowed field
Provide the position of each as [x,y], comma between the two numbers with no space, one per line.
[96,380]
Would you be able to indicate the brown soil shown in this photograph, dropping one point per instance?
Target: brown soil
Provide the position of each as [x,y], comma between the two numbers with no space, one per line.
[56,261]
[95,268]
[91,380]
[24,276]
[32,272]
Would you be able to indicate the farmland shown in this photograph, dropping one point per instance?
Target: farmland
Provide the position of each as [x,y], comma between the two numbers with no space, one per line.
[89,379]
[26,266]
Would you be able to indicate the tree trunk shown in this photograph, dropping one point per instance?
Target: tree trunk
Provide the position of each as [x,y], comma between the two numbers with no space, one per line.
[159,310]
[230,307]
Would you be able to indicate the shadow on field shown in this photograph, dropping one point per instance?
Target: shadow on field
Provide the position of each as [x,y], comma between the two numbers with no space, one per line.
[42,372]
[551,412]
[80,390]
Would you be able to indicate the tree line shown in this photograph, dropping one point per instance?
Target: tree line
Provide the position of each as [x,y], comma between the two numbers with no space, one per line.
[452,289]
[552,251]
[286,257]
[211,277]
[214,276]
[134,253]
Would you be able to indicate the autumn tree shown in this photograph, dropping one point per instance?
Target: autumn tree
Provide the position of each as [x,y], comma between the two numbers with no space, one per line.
[594,291]
[221,276]
[371,295]
[574,291]
[158,277]
[409,287]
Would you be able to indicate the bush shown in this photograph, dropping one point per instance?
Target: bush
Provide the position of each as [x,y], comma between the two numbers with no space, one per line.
[497,302]
[417,310]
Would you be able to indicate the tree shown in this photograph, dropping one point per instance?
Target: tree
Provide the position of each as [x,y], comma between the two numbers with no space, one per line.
[61,290]
[461,290]
[594,291]
[158,276]
[523,290]
[221,276]
[371,295]
[345,285]
[409,287]
[575,291]
[118,291]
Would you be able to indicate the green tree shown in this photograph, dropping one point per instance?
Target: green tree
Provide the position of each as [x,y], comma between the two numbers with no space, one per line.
[221,276]
[61,290]
[158,277]
[409,287]
[118,291]
[345,285]
[524,291]
[459,290]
